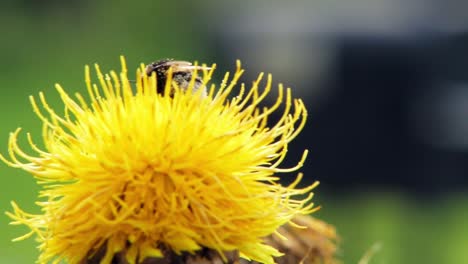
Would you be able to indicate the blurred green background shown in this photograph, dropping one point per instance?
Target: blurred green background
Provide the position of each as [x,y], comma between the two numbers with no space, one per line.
[44,42]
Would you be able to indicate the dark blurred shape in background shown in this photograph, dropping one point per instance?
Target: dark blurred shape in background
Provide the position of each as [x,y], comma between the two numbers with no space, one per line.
[385,83]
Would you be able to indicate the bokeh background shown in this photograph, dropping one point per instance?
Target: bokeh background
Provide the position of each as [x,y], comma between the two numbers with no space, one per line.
[385,82]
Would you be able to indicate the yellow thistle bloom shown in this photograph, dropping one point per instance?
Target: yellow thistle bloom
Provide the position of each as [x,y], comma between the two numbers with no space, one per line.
[135,170]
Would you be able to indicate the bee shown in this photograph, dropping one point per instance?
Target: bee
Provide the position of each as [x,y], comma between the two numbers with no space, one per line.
[182,74]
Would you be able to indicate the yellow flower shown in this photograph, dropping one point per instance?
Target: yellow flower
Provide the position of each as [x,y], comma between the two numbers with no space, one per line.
[134,170]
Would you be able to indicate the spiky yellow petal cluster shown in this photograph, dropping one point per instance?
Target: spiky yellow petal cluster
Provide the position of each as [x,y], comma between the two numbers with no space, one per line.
[132,170]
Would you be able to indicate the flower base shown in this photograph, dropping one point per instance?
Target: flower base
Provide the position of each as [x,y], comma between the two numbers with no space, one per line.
[314,243]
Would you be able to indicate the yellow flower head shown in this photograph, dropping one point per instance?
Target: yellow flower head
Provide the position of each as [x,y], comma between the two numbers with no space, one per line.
[133,170]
